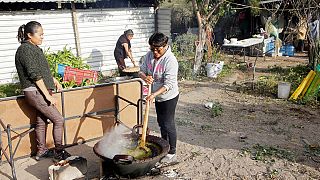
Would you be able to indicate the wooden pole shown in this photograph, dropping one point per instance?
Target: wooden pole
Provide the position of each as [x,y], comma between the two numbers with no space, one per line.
[75,28]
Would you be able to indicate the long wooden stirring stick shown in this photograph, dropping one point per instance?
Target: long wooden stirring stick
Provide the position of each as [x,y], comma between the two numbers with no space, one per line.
[145,121]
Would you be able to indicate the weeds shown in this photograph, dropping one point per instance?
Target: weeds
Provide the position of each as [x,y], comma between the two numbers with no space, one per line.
[268,85]
[194,154]
[185,69]
[312,150]
[267,154]
[184,122]
[216,110]
[206,127]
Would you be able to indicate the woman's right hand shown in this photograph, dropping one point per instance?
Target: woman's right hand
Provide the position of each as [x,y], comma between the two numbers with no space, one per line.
[149,79]
[52,100]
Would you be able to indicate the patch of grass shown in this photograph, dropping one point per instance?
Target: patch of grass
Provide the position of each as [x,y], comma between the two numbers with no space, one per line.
[194,111]
[194,154]
[206,127]
[226,70]
[267,85]
[7,90]
[272,173]
[267,154]
[216,110]
[184,122]
[312,150]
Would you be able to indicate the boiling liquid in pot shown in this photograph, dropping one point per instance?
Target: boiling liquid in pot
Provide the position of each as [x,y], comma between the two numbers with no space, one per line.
[138,153]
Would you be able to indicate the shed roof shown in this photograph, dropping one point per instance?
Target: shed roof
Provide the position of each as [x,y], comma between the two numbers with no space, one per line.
[27,1]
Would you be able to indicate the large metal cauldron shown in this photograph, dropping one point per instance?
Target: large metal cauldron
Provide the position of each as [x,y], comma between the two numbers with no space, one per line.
[135,168]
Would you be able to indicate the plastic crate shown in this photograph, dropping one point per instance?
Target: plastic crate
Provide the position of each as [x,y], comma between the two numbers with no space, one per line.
[78,75]
[61,68]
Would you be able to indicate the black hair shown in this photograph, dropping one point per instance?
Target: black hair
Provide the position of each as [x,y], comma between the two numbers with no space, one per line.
[158,40]
[23,30]
[128,32]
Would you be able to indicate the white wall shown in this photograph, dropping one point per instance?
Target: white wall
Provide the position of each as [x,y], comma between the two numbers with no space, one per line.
[98,33]
[58,32]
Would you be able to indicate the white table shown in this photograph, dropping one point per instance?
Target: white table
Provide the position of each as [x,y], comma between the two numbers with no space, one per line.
[243,44]
[248,43]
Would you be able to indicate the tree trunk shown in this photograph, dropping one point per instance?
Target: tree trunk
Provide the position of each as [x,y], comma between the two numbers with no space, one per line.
[199,51]
[201,40]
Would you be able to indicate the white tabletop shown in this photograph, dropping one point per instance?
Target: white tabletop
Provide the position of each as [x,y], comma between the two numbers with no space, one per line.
[245,42]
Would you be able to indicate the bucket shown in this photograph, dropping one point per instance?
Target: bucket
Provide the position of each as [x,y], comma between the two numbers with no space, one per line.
[270,48]
[289,50]
[283,90]
[61,68]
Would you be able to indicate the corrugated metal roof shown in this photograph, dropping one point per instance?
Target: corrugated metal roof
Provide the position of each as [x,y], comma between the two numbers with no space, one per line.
[27,1]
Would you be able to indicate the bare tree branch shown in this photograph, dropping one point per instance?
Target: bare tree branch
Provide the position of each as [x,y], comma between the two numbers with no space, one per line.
[215,8]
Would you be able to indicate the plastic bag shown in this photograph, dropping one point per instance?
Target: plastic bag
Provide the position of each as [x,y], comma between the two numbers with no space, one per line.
[213,69]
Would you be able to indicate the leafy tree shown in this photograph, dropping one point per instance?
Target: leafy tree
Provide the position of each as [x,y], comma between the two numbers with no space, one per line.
[308,10]
[207,13]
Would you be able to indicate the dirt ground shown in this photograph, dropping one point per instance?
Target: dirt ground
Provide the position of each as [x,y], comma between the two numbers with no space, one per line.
[218,147]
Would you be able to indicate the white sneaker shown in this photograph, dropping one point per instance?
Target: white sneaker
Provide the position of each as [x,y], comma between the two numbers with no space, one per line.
[169,158]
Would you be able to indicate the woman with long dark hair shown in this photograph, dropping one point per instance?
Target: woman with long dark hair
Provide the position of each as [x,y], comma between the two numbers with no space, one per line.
[38,83]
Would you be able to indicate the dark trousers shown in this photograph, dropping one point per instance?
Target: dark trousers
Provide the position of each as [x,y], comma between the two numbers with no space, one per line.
[300,45]
[165,117]
[44,112]
[121,66]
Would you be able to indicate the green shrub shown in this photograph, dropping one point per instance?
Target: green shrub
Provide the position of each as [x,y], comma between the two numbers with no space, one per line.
[216,110]
[7,90]
[185,69]
[65,57]
[184,46]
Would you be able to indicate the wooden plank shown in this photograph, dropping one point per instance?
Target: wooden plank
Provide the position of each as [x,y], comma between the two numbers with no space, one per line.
[130,91]
[19,114]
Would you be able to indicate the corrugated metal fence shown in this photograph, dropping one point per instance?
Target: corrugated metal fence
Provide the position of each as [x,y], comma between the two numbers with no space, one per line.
[98,33]
[164,21]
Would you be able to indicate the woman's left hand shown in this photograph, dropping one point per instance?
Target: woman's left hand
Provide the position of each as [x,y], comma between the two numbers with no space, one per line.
[57,85]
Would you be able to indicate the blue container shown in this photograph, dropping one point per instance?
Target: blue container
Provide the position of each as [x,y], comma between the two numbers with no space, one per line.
[61,68]
[270,48]
[289,50]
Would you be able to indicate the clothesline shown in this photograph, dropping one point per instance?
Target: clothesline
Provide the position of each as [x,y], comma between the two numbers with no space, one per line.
[284,9]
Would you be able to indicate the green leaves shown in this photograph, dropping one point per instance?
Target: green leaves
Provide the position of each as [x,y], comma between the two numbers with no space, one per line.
[7,90]
[267,154]
[216,110]
[65,57]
